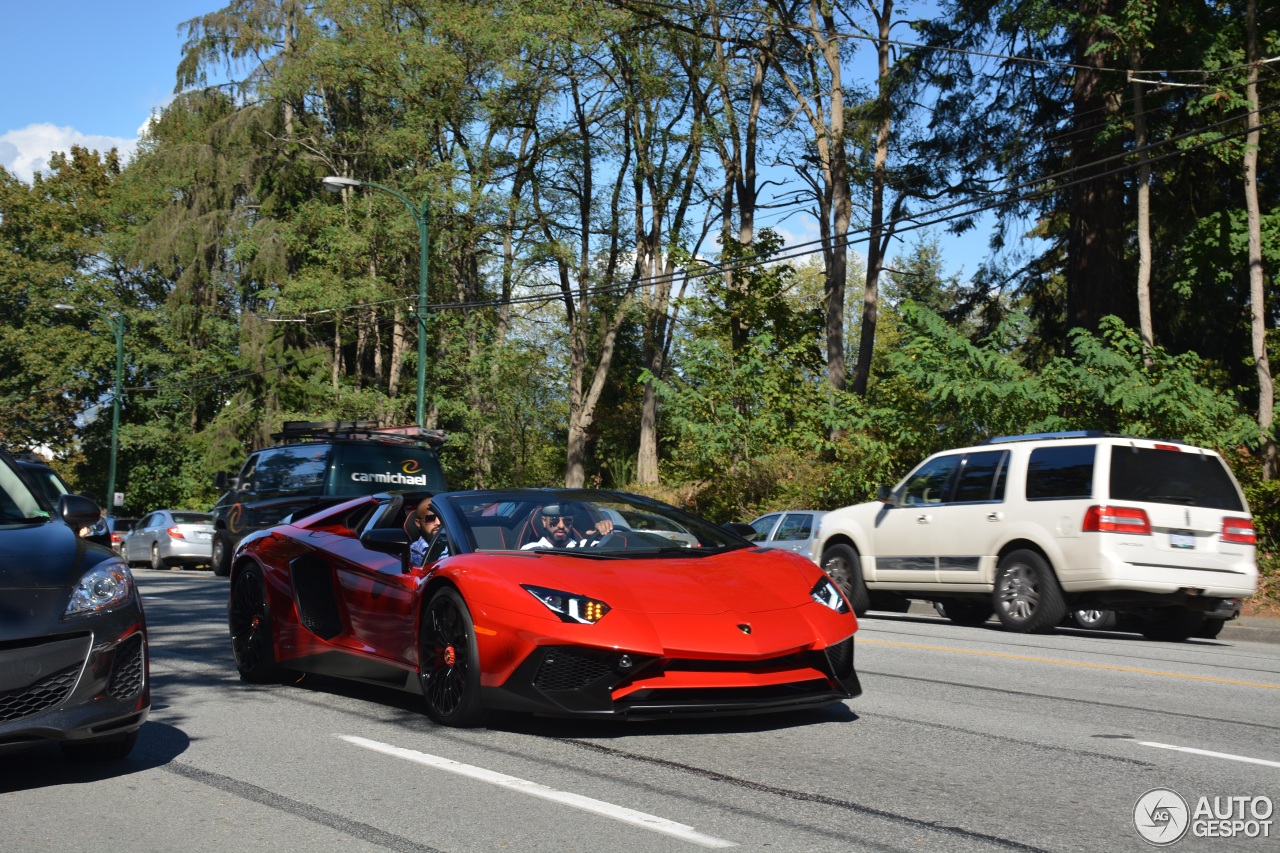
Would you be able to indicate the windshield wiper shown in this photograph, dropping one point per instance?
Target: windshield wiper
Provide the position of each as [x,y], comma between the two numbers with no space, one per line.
[1172,499]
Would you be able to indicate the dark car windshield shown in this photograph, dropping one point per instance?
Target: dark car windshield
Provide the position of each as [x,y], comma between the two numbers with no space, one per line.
[602,523]
[17,504]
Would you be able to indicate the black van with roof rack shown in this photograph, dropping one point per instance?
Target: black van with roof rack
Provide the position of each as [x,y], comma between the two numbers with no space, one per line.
[320,462]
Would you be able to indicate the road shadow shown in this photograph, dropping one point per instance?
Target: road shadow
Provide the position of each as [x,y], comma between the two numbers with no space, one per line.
[45,766]
[596,729]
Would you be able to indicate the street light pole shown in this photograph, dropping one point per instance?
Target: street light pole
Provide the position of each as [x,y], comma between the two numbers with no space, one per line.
[419,213]
[116,322]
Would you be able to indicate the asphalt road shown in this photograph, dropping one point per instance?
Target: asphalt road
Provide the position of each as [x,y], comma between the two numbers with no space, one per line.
[965,739]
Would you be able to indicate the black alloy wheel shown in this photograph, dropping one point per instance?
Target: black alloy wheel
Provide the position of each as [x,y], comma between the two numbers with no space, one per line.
[842,565]
[1027,598]
[449,661]
[249,617]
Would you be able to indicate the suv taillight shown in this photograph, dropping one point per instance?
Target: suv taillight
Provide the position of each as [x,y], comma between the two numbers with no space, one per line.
[116,537]
[175,533]
[1238,530]
[1116,519]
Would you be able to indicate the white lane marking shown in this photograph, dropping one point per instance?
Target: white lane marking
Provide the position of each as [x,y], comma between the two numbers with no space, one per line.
[1226,755]
[647,821]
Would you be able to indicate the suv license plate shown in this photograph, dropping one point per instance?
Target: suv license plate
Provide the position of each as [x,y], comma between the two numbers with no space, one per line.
[1181,539]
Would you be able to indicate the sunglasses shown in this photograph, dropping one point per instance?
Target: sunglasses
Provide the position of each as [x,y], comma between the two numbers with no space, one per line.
[428,516]
[556,520]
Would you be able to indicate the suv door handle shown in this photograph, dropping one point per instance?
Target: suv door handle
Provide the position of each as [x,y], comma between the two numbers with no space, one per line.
[995,516]
[924,518]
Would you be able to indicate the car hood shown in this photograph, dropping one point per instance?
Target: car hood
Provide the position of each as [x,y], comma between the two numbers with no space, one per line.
[745,581]
[48,554]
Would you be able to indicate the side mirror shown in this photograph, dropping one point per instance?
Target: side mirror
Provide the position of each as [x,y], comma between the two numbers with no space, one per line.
[222,481]
[78,511]
[884,494]
[746,531]
[388,540]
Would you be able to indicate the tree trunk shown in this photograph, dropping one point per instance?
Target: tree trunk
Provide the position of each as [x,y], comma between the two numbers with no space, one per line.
[1096,232]
[876,243]
[1144,215]
[1257,292]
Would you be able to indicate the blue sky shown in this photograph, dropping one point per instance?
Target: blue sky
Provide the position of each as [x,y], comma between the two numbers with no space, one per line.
[85,72]
[90,72]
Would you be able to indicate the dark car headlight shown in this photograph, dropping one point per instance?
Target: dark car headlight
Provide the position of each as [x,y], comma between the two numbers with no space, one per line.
[825,593]
[568,606]
[106,585]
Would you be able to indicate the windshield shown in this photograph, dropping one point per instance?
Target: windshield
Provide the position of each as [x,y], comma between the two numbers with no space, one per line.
[192,518]
[17,504]
[592,523]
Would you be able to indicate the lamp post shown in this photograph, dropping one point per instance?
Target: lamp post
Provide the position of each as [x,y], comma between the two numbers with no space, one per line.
[419,213]
[116,322]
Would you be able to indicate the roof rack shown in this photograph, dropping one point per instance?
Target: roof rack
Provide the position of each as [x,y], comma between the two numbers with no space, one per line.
[29,457]
[296,431]
[1047,436]
[1082,433]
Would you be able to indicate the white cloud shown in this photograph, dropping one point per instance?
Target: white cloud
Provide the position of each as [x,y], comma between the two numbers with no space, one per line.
[25,152]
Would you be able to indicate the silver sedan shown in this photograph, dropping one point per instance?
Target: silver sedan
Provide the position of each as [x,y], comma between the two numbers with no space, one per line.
[170,537]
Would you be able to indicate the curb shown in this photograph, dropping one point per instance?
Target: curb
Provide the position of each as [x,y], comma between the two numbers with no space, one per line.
[1246,629]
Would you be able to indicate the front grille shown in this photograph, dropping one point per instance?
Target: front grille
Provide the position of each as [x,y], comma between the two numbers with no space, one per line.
[127,669]
[760,665]
[571,669]
[41,696]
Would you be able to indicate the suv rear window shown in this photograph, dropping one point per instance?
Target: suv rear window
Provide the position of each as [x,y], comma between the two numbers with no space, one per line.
[1060,473]
[1172,477]
[366,469]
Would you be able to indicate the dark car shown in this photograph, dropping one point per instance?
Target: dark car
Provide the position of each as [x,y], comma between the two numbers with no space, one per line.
[118,528]
[541,601]
[315,464]
[73,642]
[49,484]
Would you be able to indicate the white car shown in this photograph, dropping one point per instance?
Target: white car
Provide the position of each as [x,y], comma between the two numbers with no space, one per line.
[1033,527]
[793,530]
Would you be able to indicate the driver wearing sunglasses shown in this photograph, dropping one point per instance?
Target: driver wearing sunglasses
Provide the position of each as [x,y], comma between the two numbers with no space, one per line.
[560,524]
[428,525]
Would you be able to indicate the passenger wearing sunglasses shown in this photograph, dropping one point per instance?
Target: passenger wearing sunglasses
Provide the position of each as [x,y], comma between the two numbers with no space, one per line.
[556,524]
[428,525]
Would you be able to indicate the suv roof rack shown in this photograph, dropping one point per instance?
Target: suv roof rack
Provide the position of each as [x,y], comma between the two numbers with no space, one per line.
[1081,433]
[296,431]
[1044,436]
[29,457]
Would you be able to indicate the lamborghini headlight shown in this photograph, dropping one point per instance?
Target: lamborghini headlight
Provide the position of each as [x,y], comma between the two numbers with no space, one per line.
[825,593]
[106,585]
[568,606]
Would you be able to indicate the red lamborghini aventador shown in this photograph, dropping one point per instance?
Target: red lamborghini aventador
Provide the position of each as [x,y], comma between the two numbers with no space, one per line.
[555,602]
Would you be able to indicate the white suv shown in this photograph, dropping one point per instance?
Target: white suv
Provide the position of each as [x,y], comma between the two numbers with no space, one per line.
[1032,527]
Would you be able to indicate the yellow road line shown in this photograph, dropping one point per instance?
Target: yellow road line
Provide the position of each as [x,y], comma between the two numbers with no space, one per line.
[863,640]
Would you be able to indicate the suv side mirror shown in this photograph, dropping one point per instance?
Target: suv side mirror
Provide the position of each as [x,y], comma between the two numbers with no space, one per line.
[884,494]
[746,531]
[222,481]
[78,511]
